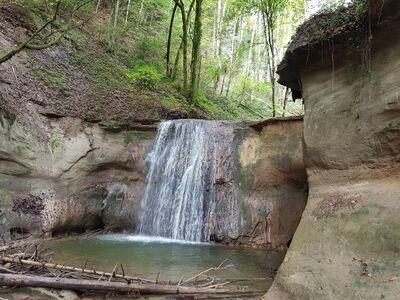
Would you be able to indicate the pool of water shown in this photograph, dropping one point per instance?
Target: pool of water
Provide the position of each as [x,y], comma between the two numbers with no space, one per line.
[169,260]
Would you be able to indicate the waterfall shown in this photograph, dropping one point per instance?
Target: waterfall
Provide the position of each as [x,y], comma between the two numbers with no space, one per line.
[182,193]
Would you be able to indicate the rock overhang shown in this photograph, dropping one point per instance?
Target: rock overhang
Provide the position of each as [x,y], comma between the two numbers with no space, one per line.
[331,34]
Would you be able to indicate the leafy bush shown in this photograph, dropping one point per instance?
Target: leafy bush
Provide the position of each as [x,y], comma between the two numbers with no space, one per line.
[149,48]
[146,76]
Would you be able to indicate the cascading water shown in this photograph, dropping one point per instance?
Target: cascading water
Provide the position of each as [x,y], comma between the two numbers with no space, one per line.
[182,197]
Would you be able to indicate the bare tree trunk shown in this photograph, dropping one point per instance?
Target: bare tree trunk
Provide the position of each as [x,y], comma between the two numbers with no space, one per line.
[176,64]
[285,101]
[270,45]
[185,36]
[199,72]
[249,66]
[141,8]
[171,28]
[232,58]
[98,6]
[127,13]
[223,83]
[115,22]
[184,49]
[197,33]
[218,47]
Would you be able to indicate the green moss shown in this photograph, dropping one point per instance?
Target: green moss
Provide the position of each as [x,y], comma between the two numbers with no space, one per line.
[392,126]
[106,73]
[52,79]
[170,102]
[56,141]
[106,122]
[134,136]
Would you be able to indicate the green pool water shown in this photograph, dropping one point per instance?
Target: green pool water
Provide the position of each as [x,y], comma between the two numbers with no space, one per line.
[252,270]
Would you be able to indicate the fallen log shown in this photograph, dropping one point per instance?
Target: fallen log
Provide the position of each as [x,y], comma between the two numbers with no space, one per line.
[6,270]
[72,269]
[100,286]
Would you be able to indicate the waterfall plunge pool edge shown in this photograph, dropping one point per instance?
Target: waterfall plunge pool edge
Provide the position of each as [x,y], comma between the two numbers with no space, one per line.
[150,257]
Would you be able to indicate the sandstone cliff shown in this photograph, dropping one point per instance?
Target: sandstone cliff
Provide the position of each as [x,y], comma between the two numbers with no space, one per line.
[272,182]
[347,244]
[60,175]
[63,175]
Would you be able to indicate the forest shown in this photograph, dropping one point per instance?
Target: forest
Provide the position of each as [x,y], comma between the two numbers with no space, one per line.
[211,58]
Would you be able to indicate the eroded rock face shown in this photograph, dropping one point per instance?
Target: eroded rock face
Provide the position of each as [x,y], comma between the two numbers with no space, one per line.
[71,176]
[272,182]
[348,243]
[63,175]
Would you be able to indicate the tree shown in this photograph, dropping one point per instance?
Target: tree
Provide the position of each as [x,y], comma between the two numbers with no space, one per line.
[115,22]
[270,10]
[185,15]
[197,33]
[184,45]
[48,40]
[170,30]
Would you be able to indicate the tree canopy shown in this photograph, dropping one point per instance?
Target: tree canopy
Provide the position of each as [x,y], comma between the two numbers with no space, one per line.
[208,49]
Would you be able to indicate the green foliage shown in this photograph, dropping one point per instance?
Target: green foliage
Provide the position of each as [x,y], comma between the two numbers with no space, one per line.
[107,72]
[145,76]
[346,14]
[134,136]
[211,107]
[148,48]
[170,102]
[132,68]
[86,8]
[76,37]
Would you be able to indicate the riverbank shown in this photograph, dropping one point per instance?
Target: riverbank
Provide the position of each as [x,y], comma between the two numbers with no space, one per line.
[158,263]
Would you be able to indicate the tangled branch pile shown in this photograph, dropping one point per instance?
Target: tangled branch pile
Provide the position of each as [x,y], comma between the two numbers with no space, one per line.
[28,266]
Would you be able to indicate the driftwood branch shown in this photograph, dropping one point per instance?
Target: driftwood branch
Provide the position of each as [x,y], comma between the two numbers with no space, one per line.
[104,286]
[25,267]
[72,269]
[221,266]
[6,270]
